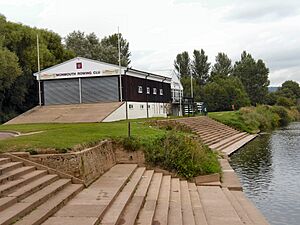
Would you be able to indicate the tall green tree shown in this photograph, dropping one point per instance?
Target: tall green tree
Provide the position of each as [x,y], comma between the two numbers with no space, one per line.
[106,50]
[222,93]
[20,40]
[222,67]
[290,89]
[200,67]
[182,64]
[112,42]
[254,76]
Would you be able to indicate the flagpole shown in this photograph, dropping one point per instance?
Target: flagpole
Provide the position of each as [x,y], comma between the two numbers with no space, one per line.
[39,69]
[120,68]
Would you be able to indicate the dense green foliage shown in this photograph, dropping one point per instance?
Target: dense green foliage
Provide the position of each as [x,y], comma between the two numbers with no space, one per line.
[200,67]
[222,67]
[106,50]
[225,93]
[254,76]
[182,154]
[18,62]
[260,118]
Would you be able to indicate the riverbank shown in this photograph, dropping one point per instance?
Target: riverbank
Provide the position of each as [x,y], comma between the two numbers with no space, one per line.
[269,170]
[256,119]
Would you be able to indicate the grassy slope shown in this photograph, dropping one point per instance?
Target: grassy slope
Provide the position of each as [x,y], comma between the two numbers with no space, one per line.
[64,136]
[233,119]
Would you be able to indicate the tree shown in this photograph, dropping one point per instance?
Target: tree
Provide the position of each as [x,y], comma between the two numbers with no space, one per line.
[106,50]
[222,67]
[290,89]
[182,64]
[9,71]
[20,40]
[254,76]
[222,93]
[200,67]
[112,42]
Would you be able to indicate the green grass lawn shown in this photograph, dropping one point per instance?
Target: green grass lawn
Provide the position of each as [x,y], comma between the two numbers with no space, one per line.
[232,119]
[67,136]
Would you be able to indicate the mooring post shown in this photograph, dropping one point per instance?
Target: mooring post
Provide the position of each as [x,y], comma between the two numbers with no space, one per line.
[129,131]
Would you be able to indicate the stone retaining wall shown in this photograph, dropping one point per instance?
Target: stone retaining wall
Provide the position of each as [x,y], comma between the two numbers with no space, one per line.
[91,163]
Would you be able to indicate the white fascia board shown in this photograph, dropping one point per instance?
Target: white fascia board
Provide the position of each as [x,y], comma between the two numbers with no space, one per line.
[90,68]
[149,77]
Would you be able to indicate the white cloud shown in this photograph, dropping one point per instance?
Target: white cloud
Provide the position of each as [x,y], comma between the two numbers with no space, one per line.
[158,30]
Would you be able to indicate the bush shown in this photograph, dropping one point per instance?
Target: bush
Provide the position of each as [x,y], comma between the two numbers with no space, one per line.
[131,144]
[283,101]
[183,154]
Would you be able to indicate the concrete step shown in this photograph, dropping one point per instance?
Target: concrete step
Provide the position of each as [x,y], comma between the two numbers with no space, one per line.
[218,138]
[33,186]
[132,209]
[11,175]
[10,186]
[9,166]
[20,209]
[237,145]
[229,177]
[175,215]
[197,207]
[113,214]
[253,213]
[48,208]
[238,208]
[217,208]
[227,140]
[89,206]
[146,213]
[4,160]
[162,208]
[186,204]
[229,143]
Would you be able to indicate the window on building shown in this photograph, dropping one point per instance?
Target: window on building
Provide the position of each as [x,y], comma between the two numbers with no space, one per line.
[154,91]
[141,106]
[161,92]
[148,91]
[140,89]
[130,106]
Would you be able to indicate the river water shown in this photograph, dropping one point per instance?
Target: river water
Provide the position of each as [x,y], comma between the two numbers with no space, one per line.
[269,169]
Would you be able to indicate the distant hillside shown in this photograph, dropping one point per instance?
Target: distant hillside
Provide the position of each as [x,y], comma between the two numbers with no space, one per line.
[272,89]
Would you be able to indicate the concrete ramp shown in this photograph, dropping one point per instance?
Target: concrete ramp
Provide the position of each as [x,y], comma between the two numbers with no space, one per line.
[76,113]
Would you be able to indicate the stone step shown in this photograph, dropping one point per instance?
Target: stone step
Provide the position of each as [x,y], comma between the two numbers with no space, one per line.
[217,208]
[21,181]
[162,208]
[4,160]
[253,213]
[13,174]
[9,166]
[20,209]
[132,209]
[197,207]
[237,145]
[113,214]
[48,208]
[229,177]
[238,208]
[146,213]
[33,186]
[186,204]
[219,137]
[232,142]
[224,143]
[89,206]
[175,215]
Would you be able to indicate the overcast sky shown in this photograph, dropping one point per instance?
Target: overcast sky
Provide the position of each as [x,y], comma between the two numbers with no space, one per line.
[159,29]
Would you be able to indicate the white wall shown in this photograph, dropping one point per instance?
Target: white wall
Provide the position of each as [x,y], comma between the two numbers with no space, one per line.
[138,110]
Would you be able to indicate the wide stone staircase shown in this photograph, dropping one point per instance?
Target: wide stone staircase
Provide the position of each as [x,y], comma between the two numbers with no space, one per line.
[128,194]
[29,195]
[217,135]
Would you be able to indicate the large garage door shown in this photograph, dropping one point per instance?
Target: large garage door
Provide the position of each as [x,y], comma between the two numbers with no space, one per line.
[61,91]
[99,89]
